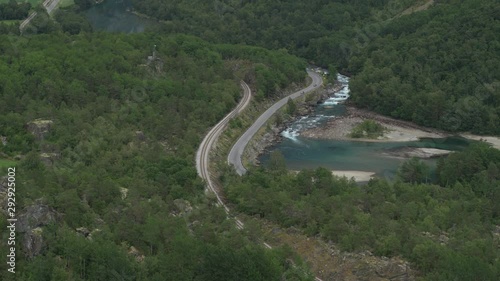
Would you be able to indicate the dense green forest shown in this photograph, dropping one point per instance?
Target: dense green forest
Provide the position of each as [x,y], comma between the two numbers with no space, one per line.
[438,68]
[449,231]
[107,140]
[14,11]
[319,30]
[435,67]
[104,138]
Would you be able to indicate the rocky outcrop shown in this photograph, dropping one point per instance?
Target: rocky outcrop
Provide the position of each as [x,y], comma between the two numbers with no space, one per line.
[123,192]
[49,158]
[139,136]
[183,207]
[30,221]
[136,254]
[39,128]
[36,215]
[83,231]
[33,242]
[3,140]
[3,195]
[258,146]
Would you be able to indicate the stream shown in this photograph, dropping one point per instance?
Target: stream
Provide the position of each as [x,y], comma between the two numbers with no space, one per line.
[341,155]
[299,152]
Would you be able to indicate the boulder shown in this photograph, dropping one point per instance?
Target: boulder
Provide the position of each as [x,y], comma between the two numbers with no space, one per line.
[48,159]
[83,231]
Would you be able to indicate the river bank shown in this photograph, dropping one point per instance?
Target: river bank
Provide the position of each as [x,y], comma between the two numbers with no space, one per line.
[339,128]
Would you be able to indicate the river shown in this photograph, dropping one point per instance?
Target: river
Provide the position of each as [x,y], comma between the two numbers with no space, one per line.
[304,153]
[115,16]
[300,153]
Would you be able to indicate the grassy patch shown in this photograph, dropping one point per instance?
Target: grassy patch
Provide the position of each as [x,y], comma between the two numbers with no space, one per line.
[4,163]
[368,129]
[66,3]
[9,22]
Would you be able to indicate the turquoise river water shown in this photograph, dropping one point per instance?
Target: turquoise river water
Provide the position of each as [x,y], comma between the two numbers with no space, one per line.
[303,153]
[115,16]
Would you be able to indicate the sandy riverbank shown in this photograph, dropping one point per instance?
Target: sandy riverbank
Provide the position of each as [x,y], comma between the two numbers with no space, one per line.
[397,130]
[359,176]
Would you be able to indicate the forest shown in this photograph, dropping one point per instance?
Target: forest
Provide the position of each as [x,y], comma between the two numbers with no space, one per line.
[113,176]
[448,229]
[106,138]
[14,11]
[436,68]
[318,30]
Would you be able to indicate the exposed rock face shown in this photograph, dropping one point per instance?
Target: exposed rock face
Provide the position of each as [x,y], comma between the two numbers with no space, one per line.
[39,128]
[3,195]
[33,242]
[36,215]
[30,221]
[3,140]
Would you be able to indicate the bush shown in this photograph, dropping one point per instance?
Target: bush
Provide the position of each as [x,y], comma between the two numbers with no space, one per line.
[368,129]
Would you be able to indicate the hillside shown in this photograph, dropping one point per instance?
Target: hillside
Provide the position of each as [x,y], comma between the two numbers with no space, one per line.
[103,141]
[437,68]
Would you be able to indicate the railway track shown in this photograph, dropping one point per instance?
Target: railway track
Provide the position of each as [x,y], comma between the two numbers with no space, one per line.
[203,153]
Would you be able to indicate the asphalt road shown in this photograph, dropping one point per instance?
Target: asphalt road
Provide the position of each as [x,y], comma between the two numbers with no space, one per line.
[234,157]
[203,153]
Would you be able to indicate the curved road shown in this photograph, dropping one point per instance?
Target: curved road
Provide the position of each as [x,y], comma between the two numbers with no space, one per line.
[203,153]
[234,157]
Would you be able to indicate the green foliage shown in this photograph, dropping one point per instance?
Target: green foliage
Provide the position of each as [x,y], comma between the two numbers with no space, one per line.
[410,72]
[125,135]
[414,171]
[291,107]
[321,31]
[72,22]
[446,231]
[14,10]
[368,129]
